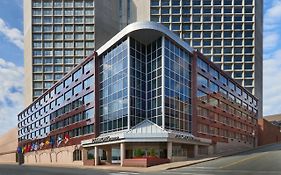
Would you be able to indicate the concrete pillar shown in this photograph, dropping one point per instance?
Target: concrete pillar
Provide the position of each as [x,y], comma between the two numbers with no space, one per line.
[170,150]
[84,155]
[122,153]
[195,151]
[109,155]
[210,149]
[96,156]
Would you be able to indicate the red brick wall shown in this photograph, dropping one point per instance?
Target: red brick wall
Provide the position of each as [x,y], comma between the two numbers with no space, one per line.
[144,162]
[268,133]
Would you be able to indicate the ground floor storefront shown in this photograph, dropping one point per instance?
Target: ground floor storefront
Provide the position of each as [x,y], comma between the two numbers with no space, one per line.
[142,154]
[145,145]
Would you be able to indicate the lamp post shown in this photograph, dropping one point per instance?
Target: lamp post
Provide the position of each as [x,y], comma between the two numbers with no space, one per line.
[254,138]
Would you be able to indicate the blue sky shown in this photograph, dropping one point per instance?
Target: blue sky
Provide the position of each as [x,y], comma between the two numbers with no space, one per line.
[11,11]
[11,60]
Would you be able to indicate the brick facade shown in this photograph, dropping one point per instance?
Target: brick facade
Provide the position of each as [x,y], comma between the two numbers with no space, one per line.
[268,133]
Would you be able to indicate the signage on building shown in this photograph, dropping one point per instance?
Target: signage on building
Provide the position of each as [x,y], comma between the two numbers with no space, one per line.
[186,137]
[105,139]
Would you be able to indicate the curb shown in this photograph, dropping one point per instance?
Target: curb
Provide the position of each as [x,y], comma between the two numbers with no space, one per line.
[218,157]
[194,163]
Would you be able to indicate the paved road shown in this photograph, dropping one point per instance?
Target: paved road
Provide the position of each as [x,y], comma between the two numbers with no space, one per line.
[263,161]
[266,160]
[34,170]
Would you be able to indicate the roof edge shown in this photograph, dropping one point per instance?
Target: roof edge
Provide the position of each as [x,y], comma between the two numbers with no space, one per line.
[146,25]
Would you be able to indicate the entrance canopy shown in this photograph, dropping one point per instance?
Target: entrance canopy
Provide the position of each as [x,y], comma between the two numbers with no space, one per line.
[145,131]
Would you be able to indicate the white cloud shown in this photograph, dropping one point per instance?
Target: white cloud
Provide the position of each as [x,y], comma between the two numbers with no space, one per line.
[271,84]
[272,61]
[274,12]
[272,25]
[11,94]
[270,40]
[14,35]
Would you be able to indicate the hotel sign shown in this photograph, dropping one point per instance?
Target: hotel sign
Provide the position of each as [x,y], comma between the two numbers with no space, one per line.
[105,139]
[185,137]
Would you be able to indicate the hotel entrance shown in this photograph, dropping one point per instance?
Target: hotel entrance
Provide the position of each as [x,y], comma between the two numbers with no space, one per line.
[144,145]
[107,155]
[127,154]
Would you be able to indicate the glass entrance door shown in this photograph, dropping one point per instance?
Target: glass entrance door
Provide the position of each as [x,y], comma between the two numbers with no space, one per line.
[116,155]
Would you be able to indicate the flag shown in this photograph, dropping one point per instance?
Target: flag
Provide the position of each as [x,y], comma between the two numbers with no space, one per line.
[66,138]
[35,147]
[31,147]
[24,149]
[59,141]
[52,142]
[19,150]
[28,148]
[47,142]
[41,145]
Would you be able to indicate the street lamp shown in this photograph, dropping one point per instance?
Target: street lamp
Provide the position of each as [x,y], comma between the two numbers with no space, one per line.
[254,138]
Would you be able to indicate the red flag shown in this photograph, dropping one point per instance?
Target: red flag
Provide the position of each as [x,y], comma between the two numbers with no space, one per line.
[29,147]
[66,138]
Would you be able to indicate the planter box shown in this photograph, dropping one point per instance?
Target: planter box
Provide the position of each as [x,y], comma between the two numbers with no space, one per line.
[144,162]
[89,162]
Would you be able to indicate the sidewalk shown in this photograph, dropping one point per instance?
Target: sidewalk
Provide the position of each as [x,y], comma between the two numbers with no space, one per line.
[162,167]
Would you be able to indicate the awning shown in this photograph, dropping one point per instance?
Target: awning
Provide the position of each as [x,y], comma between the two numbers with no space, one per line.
[145,132]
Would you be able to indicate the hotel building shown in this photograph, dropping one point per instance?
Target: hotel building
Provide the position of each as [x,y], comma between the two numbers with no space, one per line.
[144,94]
[60,33]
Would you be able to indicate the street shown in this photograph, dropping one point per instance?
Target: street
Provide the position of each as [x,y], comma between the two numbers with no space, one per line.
[266,160]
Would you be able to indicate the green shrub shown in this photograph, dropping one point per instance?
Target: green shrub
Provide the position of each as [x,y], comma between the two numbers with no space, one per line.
[152,152]
[138,152]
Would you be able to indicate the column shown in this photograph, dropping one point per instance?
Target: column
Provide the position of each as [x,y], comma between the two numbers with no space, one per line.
[109,155]
[122,153]
[84,155]
[210,149]
[195,151]
[96,155]
[169,150]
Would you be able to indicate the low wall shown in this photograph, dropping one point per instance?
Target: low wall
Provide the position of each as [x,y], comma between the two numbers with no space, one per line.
[58,156]
[233,145]
[268,133]
[8,158]
[144,162]
[8,146]
[89,162]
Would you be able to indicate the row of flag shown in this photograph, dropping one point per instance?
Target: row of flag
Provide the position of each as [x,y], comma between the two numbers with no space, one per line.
[36,146]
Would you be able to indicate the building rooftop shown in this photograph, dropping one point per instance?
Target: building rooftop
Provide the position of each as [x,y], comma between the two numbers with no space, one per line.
[275,117]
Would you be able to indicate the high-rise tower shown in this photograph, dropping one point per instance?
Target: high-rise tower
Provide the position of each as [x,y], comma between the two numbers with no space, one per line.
[59,34]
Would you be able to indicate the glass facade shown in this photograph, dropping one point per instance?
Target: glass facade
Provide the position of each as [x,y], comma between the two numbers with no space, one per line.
[133,89]
[177,73]
[114,88]
[138,82]
[154,81]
